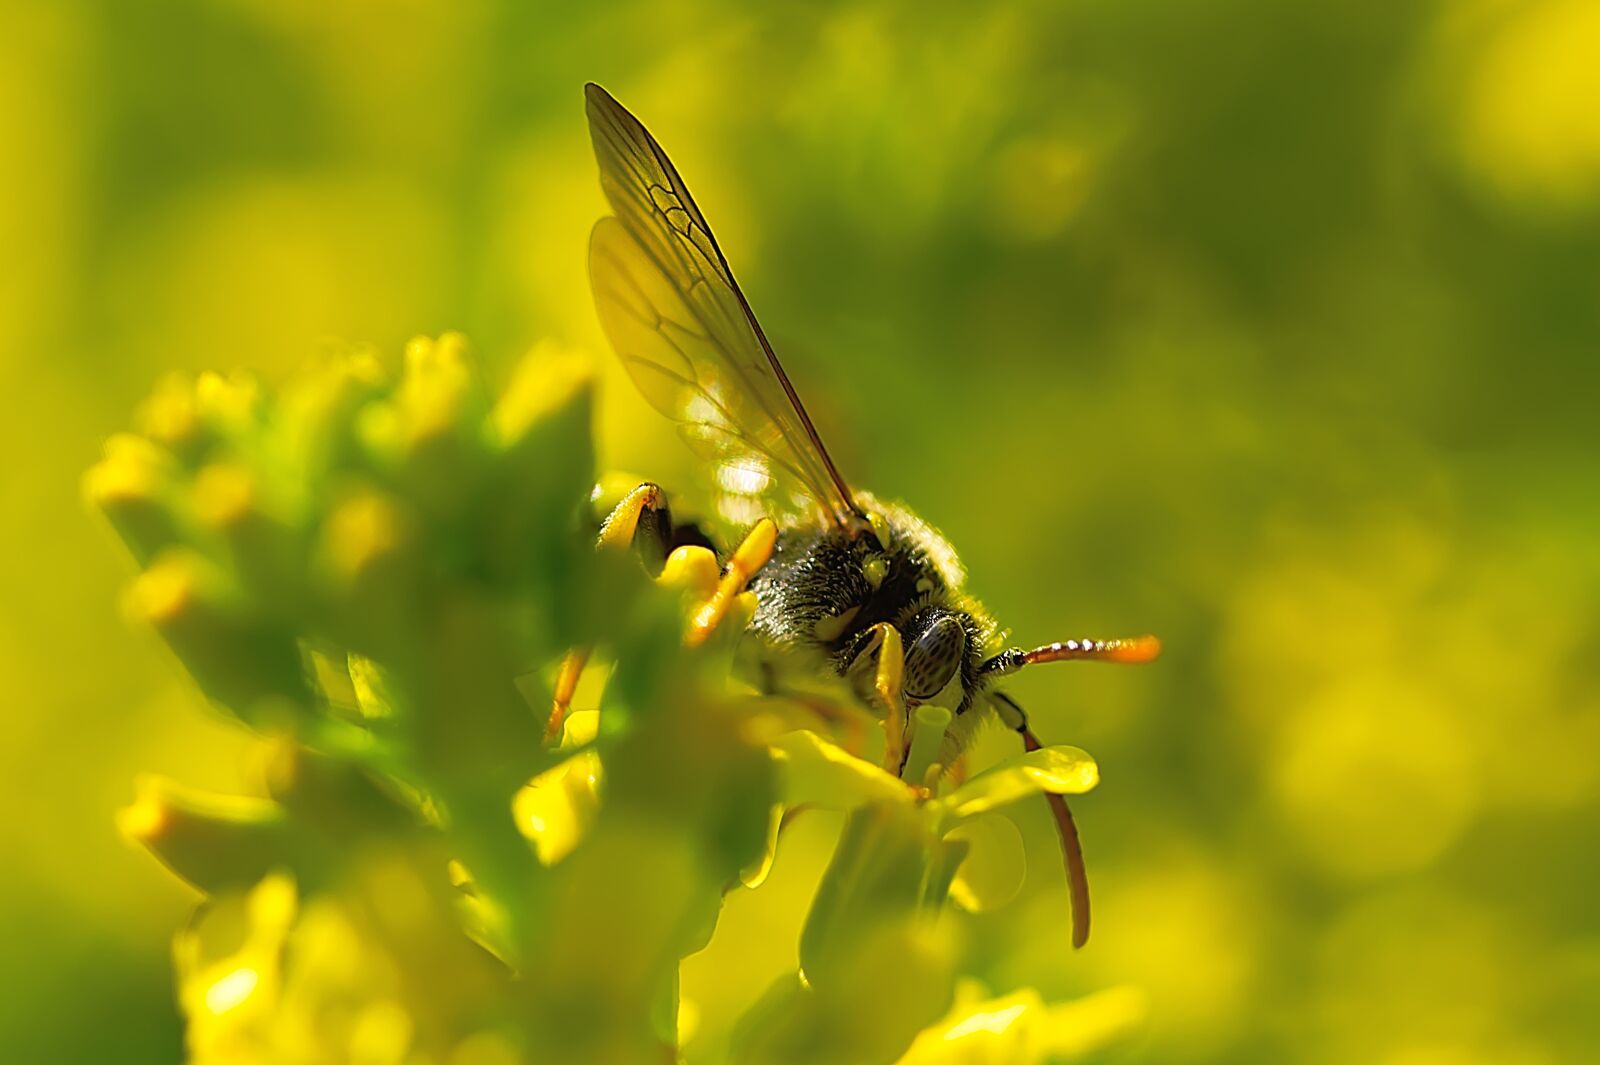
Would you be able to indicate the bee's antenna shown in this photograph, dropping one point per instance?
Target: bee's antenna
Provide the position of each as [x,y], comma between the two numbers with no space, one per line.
[1132,651]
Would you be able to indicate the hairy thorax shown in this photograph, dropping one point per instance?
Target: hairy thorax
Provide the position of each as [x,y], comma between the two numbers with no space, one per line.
[824,588]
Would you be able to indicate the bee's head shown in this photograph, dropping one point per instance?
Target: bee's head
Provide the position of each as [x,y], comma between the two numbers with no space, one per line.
[944,661]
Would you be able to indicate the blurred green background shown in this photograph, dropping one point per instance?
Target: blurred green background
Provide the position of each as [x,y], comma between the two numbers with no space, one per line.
[1273,328]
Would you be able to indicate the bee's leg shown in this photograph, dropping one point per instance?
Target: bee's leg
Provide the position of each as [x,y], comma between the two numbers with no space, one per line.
[566,685]
[643,522]
[748,557]
[882,643]
[1071,849]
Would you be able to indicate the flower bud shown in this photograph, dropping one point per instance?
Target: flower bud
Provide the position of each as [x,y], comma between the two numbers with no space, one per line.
[215,842]
[241,661]
[133,487]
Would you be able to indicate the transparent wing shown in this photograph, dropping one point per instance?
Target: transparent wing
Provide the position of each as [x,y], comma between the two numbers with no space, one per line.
[684,331]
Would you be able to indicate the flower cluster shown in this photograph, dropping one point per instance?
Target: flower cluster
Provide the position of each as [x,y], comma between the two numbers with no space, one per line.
[377,573]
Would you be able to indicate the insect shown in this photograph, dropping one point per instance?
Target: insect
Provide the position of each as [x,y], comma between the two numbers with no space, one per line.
[863,585]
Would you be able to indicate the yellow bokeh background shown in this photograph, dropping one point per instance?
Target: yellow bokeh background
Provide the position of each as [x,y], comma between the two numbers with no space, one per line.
[1270,328]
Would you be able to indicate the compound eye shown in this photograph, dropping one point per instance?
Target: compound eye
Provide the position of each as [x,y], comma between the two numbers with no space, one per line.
[933,658]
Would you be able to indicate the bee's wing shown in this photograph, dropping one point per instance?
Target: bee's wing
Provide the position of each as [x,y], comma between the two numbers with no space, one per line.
[673,312]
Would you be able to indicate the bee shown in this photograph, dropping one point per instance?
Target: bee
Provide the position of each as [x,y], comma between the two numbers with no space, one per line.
[860,584]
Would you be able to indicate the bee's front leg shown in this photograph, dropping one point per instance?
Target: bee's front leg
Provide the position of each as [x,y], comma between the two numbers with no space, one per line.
[642,522]
[748,557]
[881,647]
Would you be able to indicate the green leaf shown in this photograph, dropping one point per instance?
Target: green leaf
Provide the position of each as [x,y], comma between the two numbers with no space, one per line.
[1058,770]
